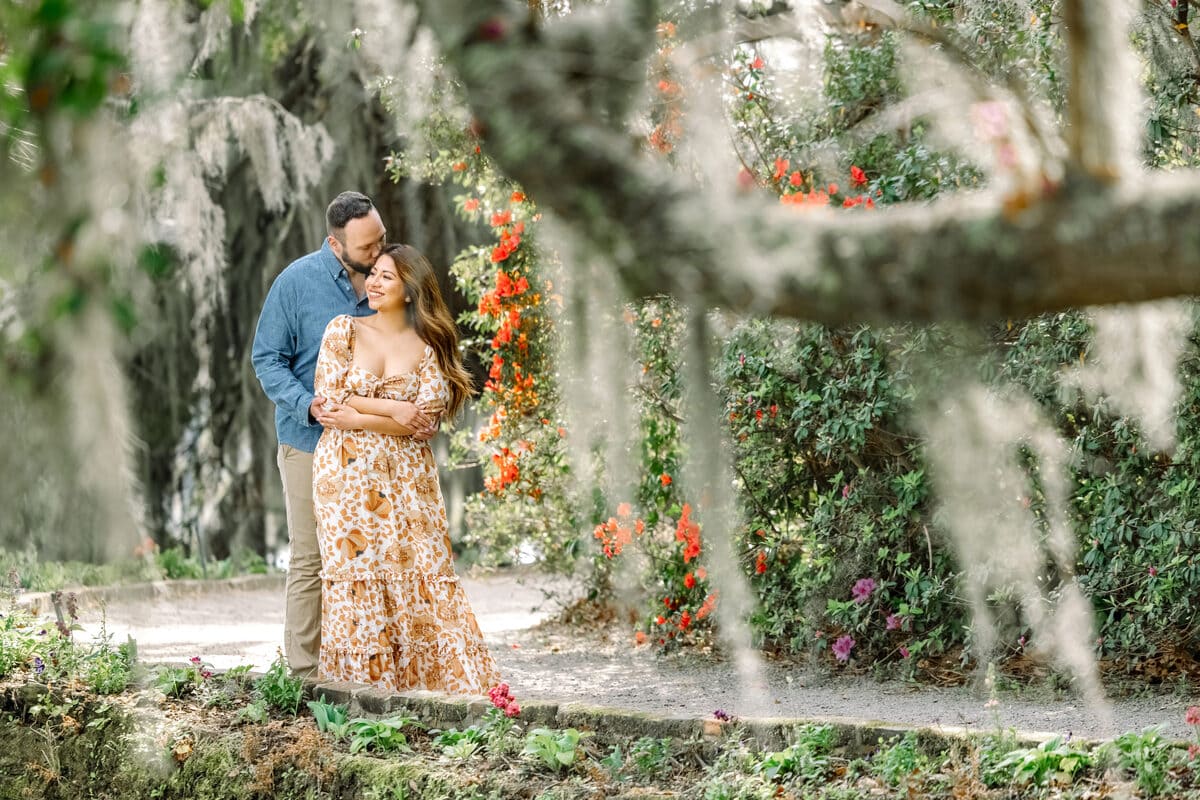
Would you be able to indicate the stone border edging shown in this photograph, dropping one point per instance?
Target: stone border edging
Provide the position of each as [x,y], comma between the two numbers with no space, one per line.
[768,733]
[39,602]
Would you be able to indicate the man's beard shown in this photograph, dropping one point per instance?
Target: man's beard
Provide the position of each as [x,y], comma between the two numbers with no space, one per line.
[361,269]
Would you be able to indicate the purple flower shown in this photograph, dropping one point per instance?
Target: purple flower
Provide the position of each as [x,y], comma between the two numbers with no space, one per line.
[39,666]
[893,622]
[195,659]
[862,589]
[722,715]
[842,647]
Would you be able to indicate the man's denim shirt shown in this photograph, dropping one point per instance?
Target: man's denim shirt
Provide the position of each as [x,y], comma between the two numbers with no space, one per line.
[303,299]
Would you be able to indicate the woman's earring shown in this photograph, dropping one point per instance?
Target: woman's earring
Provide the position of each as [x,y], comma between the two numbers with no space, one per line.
[408,299]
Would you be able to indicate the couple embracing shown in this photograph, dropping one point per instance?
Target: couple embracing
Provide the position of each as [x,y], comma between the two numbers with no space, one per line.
[359,354]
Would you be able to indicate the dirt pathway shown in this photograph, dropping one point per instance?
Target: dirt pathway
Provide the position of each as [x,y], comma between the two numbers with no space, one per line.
[227,628]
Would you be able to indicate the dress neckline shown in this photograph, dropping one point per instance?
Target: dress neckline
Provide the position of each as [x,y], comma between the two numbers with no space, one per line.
[381,378]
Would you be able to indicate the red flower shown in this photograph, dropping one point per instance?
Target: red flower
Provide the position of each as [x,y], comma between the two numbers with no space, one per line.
[501,218]
[685,620]
[689,581]
[858,177]
[518,197]
[664,479]
[760,563]
[781,166]
[757,64]
[458,166]
[1192,715]
[796,179]
[471,204]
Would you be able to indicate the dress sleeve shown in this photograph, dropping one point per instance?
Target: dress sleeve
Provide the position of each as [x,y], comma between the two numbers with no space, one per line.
[333,362]
[434,391]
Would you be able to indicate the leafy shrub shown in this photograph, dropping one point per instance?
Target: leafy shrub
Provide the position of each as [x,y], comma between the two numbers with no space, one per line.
[556,749]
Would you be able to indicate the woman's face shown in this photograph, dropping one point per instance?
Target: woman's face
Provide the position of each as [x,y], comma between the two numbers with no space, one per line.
[385,290]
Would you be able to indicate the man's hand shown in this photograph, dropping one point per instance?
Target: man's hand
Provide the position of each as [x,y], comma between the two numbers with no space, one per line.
[340,417]
[316,408]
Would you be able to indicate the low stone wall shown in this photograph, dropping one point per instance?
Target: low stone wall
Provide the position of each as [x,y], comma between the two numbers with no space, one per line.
[92,596]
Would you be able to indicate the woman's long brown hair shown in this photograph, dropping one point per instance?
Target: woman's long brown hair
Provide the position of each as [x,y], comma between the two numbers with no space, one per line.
[429,316]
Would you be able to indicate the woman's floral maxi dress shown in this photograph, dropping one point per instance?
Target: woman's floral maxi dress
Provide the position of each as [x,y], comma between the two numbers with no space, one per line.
[394,612]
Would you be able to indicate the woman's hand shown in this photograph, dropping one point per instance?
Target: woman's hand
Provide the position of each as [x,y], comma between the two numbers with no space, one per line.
[431,428]
[410,416]
[340,416]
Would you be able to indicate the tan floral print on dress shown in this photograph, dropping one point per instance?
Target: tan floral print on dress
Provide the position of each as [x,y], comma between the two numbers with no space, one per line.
[393,610]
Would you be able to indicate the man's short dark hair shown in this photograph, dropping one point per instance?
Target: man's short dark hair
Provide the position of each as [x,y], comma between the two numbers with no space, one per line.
[345,207]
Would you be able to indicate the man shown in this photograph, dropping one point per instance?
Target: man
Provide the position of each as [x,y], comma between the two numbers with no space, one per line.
[303,299]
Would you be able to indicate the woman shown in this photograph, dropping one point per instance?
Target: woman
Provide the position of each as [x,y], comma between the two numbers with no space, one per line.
[394,612]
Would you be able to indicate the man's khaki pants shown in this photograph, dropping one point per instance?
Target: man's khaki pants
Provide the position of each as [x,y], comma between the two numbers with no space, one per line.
[302,624]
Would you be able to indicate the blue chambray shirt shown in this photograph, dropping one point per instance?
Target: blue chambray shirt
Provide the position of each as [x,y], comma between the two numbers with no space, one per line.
[310,292]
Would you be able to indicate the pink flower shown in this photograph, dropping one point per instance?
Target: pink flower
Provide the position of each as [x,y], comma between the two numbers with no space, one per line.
[1192,715]
[862,589]
[1153,572]
[1193,749]
[904,651]
[512,709]
[893,622]
[842,647]
[845,491]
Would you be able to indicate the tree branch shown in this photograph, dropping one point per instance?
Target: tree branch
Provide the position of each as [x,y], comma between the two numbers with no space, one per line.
[959,258]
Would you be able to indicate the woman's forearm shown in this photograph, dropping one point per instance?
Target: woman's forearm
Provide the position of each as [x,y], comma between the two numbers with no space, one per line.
[380,406]
[381,423]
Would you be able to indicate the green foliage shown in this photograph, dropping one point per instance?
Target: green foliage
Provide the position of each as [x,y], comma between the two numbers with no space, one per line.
[650,755]
[556,749]
[254,712]
[1146,754]
[900,760]
[330,718]
[806,760]
[39,575]
[461,744]
[278,689]
[107,669]
[181,681]
[380,735]
[19,640]
[1051,761]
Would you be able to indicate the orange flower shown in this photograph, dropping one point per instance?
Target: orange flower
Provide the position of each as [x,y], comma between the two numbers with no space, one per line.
[781,166]
[518,197]
[689,581]
[501,218]
[458,166]
[639,637]
[471,204]
[760,563]
[796,179]
[624,510]
[665,479]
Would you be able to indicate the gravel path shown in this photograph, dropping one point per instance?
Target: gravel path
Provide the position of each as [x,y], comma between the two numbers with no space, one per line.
[548,662]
